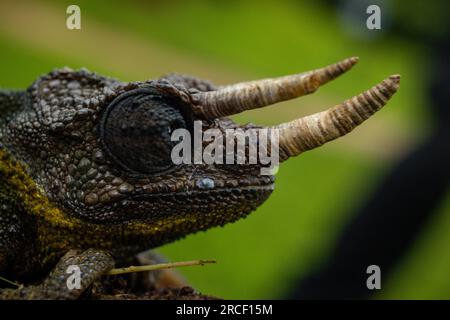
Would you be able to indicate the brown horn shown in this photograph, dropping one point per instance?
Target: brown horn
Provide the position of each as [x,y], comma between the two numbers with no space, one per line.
[313,131]
[239,97]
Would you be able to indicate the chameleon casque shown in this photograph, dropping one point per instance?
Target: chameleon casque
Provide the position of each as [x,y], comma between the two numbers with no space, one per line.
[86,176]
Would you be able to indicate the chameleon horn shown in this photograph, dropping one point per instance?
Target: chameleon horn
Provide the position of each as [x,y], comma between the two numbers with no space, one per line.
[243,96]
[313,131]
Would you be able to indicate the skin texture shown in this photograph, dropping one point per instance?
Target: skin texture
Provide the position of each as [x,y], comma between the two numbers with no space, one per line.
[86,176]
[61,188]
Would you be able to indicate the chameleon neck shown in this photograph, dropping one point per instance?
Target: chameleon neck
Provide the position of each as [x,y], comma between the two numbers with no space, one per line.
[57,231]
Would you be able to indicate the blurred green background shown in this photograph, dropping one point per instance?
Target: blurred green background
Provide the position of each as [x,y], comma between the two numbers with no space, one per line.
[231,41]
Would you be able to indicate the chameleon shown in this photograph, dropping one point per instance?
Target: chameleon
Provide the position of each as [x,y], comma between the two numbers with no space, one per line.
[86,176]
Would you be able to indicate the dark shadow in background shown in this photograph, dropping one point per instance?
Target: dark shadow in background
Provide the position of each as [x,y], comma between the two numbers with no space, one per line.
[385,227]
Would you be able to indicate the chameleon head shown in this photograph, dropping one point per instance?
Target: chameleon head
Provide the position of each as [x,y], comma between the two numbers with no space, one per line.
[102,149]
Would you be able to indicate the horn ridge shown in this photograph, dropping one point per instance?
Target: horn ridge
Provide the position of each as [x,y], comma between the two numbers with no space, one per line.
[312,131]
[243,96]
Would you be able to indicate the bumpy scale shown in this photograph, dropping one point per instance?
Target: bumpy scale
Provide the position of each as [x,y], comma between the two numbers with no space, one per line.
[85,166]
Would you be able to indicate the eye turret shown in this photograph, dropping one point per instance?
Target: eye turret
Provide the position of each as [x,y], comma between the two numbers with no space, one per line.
[136,130]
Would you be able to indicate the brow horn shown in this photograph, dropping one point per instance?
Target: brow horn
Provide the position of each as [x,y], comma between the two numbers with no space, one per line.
[239,97]
[313,131]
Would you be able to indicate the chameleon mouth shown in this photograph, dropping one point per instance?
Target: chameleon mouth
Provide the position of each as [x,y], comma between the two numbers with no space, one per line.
[222,202]
[239,200]
[185,195]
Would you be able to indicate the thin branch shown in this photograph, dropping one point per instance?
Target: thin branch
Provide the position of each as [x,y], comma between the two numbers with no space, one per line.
[10,282]
[160,266]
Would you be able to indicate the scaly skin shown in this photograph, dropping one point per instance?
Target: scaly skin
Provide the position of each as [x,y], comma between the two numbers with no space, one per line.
[86,168]
[60,189]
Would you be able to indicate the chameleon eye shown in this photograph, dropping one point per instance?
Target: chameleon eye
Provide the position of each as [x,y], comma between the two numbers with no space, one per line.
[136,130]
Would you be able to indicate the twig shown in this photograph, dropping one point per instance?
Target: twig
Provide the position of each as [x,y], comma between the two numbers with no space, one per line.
[10,282]
[159,266]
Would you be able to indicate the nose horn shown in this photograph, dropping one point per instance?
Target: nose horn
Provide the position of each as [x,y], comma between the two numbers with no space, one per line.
[314,130]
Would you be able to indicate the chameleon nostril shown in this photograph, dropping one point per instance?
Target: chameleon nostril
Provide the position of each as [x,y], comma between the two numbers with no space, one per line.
[205,183]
